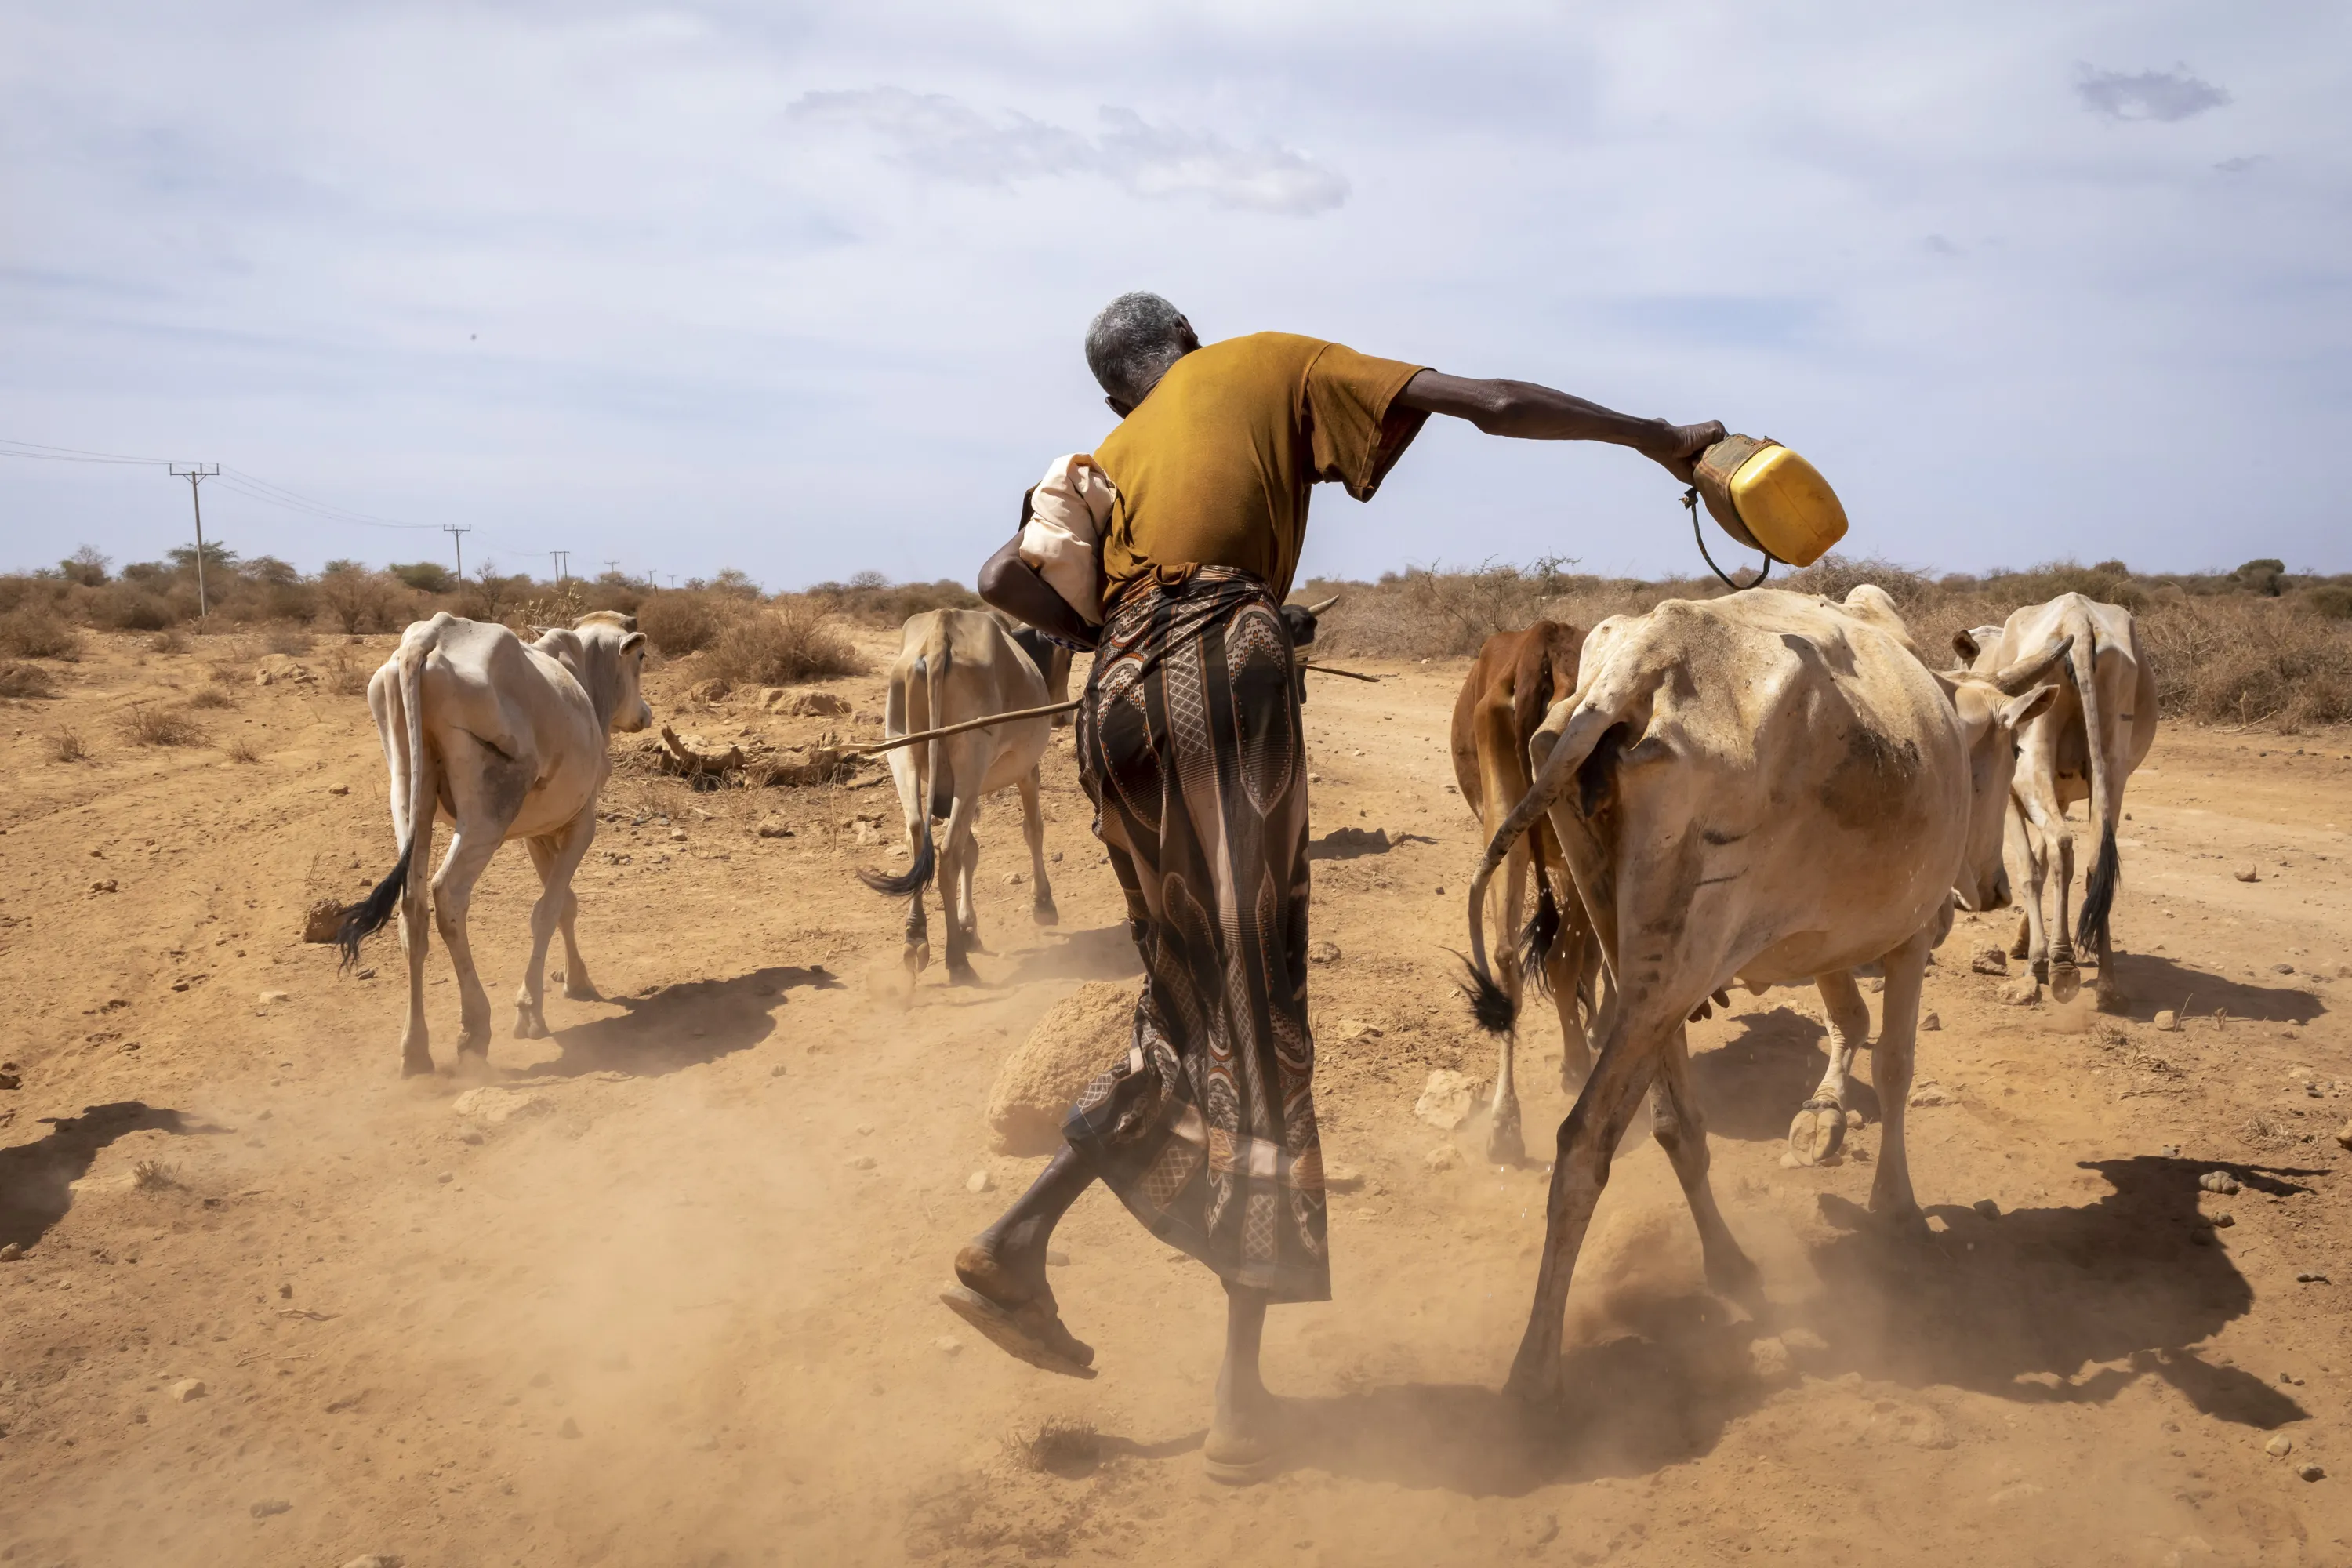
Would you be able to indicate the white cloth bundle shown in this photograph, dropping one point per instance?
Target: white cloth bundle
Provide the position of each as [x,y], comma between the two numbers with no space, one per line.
[1062,541]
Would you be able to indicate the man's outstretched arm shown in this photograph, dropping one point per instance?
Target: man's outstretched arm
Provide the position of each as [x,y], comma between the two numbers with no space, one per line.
[1532,413]
[1009,584]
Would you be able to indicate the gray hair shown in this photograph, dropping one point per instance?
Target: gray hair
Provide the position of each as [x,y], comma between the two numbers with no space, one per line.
[1130,345]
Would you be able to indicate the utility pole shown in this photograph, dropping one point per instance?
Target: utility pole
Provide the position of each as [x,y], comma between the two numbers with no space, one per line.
[563,560]
[197,474]
[612,564]
[456,535]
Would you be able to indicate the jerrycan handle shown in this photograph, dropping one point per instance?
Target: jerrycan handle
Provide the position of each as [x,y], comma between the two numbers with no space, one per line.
[1699,535]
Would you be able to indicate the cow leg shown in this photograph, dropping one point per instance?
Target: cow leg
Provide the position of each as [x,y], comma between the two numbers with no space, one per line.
[2035,792]
[1890,1071]
[1504,1146]
[415,1049]
[470,850]
[2065,977]
[958,848]
[1593,1127]
[1564,972]
[556,856]
[918,956]
[2025,883]
[1033,827]
[1819,1130]
[1680,1129]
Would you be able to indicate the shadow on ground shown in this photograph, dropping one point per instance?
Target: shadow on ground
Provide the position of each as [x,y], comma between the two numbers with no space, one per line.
[2052,1305]
[1104,952]
[2153,981]
[37,1179]
[681,1026]
[1750,1086]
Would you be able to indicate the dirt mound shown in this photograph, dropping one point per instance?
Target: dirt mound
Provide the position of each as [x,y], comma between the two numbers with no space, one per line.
[1076,1039]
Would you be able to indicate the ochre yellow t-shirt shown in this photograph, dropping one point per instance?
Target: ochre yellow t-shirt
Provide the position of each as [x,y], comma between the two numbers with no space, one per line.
[1212,468]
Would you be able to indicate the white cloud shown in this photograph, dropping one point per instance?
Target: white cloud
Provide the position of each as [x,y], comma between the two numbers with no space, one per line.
[940,137]
[2147,95]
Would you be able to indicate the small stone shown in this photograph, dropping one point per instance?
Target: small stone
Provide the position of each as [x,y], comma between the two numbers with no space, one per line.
[13,1251]
[2224,1220]
[2217,1181]
[270,1505]
[1056,1258]
[948,1345]
[2344,1135]
[367,973]
[979,1182]
[2170,1151]
[677,835]
[2020,992]
[2168,1022]
[338,789]
[774,830]
[1322,952]
[374,1559]
[497,1105]
[861,1162]
[104,885]
[270,998]
[2248,874]
[1987,1207]
[776,1071]
[1931,1023]
[2312,1277]
[1990,960]
[1343,1179]
[321,921]
[1768,1360]
[1930,1094]
[1445,1157]
[2280,1446]
[1014,878]
[446,1177]
[1447,1098]
[189,1388]
[2282,969]
[570,1428]
[2312,1473]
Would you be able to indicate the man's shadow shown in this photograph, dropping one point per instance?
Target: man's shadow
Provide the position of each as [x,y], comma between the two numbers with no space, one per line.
[2152,983]
[37,1179]
[681,1026]
[2015,1306]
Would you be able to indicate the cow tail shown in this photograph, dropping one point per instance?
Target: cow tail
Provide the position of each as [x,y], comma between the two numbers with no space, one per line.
[2107,871]
[932,667]
[364,918]
[1542,929]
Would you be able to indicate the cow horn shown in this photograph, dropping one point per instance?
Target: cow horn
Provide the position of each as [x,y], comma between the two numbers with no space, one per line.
[2026,671]
[1318,609]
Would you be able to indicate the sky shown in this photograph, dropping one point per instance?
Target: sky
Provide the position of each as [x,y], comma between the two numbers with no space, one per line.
[802,289]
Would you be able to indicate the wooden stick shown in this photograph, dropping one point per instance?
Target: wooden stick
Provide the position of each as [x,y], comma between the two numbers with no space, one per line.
[1329,670]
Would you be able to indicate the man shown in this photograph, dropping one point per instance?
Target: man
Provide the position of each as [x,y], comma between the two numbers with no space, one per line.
[1191,746]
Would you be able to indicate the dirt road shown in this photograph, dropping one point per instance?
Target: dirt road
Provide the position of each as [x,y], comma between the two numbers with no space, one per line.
[276,1306]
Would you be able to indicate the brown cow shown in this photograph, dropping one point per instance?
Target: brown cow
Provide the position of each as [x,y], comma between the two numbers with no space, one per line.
[1513,683]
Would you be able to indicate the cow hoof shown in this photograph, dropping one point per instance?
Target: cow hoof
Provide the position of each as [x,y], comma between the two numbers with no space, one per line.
[2111,999]
[1503,1143]
[1816,1134]
[416,1064]
[529,1027]
[2065,981]
[917,959]
[2020,947]
[1044,913]
[583,991]
[962,973]
[1733,1275]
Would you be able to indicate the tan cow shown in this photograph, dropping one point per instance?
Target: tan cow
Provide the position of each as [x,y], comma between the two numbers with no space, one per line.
[504,740]
[955,664]
[1767,788]
[2082,748]
[1512,684]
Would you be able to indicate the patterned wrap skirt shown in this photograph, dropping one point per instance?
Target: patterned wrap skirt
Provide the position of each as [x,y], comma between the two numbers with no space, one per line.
[1190,743]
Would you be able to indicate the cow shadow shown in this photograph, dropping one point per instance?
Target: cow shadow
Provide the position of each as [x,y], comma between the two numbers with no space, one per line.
[1101,953]
[681,1026]
[2152,983]
[37,1179]
[2016,1306]
[1749,1086]
[1355,843]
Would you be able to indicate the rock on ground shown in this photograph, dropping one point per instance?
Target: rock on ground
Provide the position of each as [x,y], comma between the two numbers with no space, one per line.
[2020,992]
[321,921]
[1076,1039]
[497,1105]
[1447,1098]
[1990,960]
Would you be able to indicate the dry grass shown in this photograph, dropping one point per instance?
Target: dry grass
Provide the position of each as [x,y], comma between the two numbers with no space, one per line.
[148,726]
[288,640]
[20,680]
[153,1176]
[348,677]
[65,745]
[1062,1445]
[36,631]
[681,621]
[790,640]
[212,697]
[243,751]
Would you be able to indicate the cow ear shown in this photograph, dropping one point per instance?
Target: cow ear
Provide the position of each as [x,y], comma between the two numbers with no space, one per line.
[633,642]
[2018,709]
[1966,647]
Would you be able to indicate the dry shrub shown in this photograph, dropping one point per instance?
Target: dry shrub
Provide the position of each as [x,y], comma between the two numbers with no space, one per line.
[212,697]
[243,751]
[148,726]
[1065,1446]
[290,640]
[679,621]
[790,640]
[38,631]
[348,677]
[358,600]
[18,679]
[66,745]
[2245,660]
[167,641]
[875,600]
[153,1175]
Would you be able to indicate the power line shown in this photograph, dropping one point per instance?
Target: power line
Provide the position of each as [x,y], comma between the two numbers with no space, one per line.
[458,537]
[563,559]
[197,474]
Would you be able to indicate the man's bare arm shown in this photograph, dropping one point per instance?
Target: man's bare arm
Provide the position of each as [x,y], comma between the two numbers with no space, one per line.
[1009,584]
[1531,412]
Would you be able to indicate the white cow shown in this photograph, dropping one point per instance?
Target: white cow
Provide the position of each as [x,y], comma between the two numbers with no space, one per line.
[952,666]
[1767,788]
[504,740]
[2082,748]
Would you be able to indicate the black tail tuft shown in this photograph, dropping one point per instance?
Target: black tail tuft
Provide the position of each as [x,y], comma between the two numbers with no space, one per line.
[2099,893]
[364,918]
[916,878]
[1537,940]
[1490,1005]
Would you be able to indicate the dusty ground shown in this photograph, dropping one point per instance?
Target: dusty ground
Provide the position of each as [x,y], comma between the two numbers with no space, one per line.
[684,1313]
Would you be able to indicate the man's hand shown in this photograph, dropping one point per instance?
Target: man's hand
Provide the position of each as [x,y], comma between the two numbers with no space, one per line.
[1531,412]
[1011,585]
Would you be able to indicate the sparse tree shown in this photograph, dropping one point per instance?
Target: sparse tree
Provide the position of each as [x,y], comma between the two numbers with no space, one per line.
[86,566]
[426,576]
[355,596]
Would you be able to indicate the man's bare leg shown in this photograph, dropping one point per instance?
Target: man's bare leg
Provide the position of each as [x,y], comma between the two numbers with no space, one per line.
[1241,1447]
[1005,1264]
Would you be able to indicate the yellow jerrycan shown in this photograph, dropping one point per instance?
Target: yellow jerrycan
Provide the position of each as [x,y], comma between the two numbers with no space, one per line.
[1769,498]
